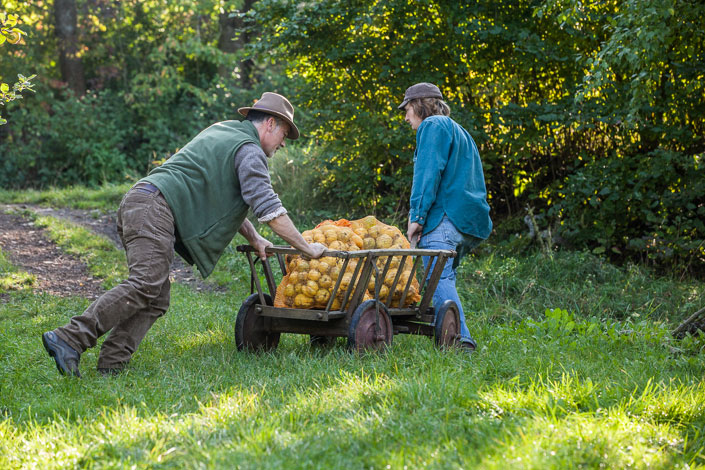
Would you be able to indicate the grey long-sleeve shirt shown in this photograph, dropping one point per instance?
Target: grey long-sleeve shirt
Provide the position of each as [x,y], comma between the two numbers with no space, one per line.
[255,185]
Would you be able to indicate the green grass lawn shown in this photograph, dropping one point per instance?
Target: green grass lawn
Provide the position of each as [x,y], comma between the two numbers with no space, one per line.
[575,368]
[106,198]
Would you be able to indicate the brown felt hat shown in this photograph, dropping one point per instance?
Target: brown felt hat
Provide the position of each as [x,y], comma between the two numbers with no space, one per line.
[276,105]
[420,90]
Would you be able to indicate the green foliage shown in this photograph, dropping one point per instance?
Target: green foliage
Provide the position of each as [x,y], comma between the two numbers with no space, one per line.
[644,206]
[295,179]
[349,62]
[547,88]
[647,72]
[102,138]
[78,142]
[356,61]
[567,330]
[159,89]
[564,323]
[642,195]
[563,97]
[9,33]
[516,286]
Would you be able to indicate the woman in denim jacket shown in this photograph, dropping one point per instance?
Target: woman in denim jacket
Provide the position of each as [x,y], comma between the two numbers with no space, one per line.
[449,209]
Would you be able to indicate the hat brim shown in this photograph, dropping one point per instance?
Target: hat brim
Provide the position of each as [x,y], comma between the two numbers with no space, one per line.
[403,104]
[293,130]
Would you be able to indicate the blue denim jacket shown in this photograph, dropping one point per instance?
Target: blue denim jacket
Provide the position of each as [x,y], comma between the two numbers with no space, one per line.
[448,179]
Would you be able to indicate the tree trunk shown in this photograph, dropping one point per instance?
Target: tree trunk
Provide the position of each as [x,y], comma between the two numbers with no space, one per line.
[233,38]
[67,35]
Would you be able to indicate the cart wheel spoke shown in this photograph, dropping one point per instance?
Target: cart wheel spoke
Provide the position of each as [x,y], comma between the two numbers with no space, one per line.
[251,330]
[447,330]
[370,329]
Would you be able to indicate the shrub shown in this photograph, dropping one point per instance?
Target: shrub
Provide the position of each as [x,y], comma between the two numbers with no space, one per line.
[72,142]
[644,206]
[106,136]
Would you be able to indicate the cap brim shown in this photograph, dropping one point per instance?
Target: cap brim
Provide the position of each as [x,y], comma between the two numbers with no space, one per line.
[403,104]
[293,130]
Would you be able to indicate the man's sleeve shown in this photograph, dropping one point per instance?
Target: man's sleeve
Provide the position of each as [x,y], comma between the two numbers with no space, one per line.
[432,149]
[255,185]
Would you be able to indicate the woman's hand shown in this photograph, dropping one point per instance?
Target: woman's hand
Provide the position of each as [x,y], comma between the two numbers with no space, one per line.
[413,233]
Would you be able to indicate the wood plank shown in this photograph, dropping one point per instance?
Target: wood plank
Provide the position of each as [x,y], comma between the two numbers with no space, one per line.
[412,276]
[362,284]
[299,314]
[402,311]
[306,327]
[413,328]
[432,282]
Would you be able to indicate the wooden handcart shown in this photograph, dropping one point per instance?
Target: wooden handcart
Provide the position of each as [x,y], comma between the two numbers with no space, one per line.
[367,324]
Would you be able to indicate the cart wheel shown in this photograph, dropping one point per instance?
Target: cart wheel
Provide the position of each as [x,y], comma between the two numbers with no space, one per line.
[365,332]
[447,329]
[322,341]
[250,331]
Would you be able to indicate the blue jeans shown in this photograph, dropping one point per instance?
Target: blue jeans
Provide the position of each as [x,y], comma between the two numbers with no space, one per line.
[447,237]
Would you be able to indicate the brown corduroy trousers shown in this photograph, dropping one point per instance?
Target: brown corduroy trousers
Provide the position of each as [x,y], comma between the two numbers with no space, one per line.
[146,227]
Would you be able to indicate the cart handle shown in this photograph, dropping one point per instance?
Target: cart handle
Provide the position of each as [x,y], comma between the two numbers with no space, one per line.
[286,250]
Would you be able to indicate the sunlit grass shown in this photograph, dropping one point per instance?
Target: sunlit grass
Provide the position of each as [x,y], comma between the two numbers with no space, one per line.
[106,198]
[11,278]
[528,398]
[576,368]
[507,285]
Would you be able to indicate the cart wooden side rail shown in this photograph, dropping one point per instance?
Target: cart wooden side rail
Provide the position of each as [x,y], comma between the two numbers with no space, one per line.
[268,321]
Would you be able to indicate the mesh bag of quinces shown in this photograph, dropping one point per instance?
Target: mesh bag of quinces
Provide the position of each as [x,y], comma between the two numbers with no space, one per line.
[310,283]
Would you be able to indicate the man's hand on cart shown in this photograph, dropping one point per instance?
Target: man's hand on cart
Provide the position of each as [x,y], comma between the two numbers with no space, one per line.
[284,227]
[256,240]
[315,250]
[260,245]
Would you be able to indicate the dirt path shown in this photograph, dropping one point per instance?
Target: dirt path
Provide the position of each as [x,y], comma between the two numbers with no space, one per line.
[29,248]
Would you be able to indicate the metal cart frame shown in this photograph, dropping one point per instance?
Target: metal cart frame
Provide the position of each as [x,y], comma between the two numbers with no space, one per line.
[367,324]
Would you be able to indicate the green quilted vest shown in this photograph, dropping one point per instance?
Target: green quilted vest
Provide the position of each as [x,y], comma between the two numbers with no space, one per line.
[203,191]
